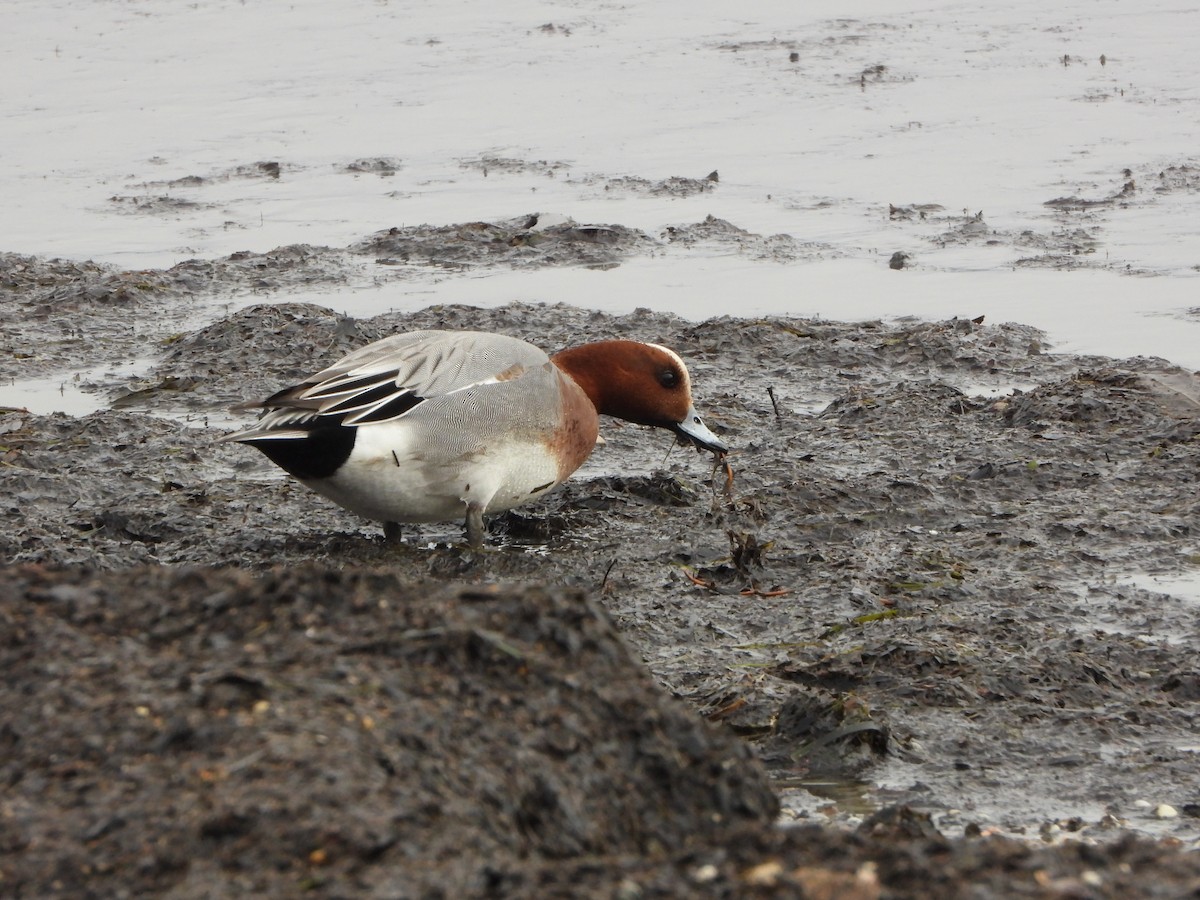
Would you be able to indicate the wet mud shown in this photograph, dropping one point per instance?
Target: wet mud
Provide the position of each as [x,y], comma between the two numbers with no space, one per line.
[913,648]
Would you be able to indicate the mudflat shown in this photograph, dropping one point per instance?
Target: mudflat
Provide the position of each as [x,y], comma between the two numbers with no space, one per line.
[924,619]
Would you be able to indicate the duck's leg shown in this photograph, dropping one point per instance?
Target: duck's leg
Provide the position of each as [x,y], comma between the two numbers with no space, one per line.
[475,525]
[391,532]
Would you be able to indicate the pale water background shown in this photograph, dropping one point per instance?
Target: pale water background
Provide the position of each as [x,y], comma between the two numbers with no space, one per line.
[978,108]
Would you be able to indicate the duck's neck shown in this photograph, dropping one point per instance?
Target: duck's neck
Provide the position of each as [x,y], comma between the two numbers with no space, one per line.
[591,367]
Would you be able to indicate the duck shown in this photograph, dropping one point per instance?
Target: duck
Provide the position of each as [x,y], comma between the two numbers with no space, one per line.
[438,426]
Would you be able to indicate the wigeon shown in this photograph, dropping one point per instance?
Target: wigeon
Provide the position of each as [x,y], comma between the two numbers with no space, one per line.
[429,425]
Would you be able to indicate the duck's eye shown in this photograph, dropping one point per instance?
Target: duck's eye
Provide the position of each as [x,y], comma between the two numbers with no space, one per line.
[668,378]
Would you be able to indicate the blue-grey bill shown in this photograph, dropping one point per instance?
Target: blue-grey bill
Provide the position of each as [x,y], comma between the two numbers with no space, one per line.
[693,429]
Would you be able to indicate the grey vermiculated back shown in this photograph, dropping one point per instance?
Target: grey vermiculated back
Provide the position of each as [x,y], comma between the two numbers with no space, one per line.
[431,363]
[449,377]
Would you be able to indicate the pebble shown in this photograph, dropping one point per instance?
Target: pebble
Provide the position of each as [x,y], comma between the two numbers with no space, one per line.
[765,874]
[1165,811]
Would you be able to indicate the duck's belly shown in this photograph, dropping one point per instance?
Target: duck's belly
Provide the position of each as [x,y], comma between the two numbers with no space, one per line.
[387,479]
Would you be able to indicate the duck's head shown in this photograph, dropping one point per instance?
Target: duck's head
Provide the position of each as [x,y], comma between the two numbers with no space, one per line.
[647,384]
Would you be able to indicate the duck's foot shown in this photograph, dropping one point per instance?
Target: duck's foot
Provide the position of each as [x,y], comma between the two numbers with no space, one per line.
[474,525]
[391,532]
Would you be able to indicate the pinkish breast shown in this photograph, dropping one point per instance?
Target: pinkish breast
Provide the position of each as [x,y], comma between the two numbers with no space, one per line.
[575,438]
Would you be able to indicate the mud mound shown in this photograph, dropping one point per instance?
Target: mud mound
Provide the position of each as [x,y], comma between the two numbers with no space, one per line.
[209,365]
[199,732]
[56,310]
[675,186]
[522,242]
[208,732]
[62,316]
[722,236]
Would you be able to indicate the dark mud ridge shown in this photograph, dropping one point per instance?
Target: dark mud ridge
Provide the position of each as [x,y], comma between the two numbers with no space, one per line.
[198,732]
[922,620]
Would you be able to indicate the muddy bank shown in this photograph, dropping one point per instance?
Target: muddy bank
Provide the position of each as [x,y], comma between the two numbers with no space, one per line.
[212,732]
[930,584]
[186,732]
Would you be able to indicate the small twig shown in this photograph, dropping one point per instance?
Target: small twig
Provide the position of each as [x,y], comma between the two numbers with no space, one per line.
[731,707]
[249,760]
[759,592]
[696,580]
[604,580]
[721,463]
[497,642]
[775,404]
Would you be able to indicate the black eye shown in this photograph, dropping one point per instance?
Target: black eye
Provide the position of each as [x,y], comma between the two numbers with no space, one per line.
[668,378]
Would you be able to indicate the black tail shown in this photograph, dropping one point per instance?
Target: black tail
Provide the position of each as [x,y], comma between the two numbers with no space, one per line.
[318,454]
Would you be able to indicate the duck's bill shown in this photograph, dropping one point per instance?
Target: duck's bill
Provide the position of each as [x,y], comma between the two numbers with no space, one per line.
[693,430]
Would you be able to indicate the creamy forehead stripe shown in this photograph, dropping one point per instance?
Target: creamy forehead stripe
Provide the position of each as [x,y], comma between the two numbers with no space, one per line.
[687,379]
